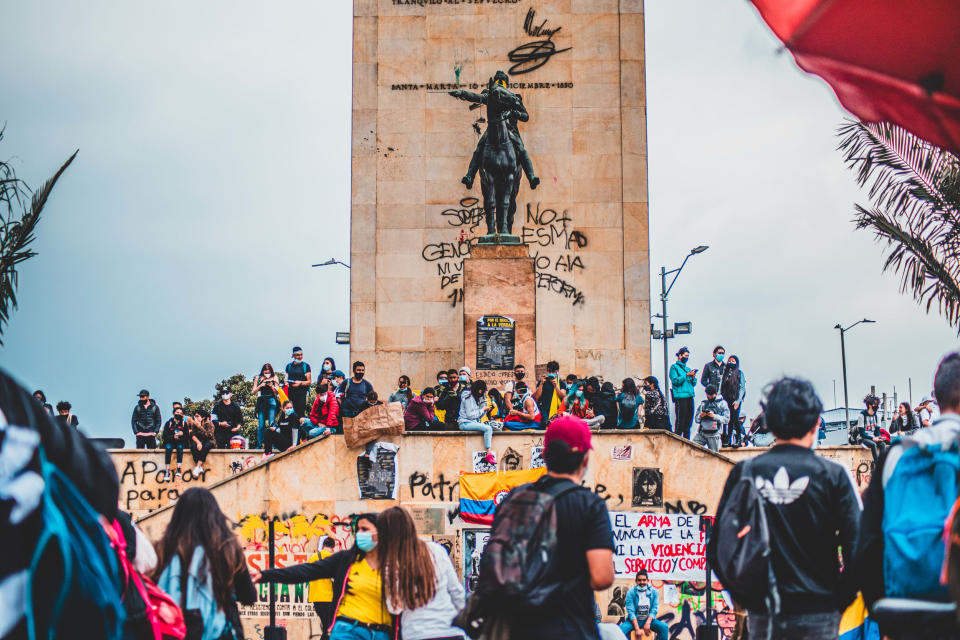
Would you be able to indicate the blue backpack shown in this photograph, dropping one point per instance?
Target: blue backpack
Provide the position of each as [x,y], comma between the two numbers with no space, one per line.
[74,588]
[918,499]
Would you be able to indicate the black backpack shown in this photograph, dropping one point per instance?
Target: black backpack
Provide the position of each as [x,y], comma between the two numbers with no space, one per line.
[517,569]
[740,530]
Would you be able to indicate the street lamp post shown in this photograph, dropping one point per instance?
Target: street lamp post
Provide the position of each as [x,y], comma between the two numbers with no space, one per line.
[843,358]
[664,292]
[330,262]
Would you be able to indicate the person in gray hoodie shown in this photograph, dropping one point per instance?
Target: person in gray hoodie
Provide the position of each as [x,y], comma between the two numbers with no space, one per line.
[711,416]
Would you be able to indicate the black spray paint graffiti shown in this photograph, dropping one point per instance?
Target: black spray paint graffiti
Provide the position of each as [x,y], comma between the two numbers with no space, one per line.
[433,490]
[545,229]
[131,481]
[692,507]
[601,491]
[533,55]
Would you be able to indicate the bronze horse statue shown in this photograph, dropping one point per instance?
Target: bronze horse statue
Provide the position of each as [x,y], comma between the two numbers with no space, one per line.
[500,157]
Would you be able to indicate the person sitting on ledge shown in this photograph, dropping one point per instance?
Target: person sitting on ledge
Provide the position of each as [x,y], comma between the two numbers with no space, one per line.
[419,415]
[524,411]
[473,407]
[372,400]
[325,413]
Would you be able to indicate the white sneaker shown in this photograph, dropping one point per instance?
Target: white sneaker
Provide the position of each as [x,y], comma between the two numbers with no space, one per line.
[166,475]
[197,471]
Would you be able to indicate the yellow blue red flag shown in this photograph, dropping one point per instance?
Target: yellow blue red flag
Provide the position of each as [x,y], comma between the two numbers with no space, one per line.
[480,493]
[855,623]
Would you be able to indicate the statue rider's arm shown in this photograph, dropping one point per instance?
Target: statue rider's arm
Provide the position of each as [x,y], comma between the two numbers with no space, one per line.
[469,96]
[520,111]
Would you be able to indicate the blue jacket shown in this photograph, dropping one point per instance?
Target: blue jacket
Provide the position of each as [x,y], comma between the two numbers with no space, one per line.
[635,611]
[683,385]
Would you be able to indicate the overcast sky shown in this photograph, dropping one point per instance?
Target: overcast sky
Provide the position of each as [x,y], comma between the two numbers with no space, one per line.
[214,169]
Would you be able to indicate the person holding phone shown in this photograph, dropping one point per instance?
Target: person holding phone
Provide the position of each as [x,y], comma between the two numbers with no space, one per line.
[683,383]
[266,385]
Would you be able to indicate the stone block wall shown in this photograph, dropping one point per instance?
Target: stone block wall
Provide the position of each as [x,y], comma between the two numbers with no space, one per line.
[412,221]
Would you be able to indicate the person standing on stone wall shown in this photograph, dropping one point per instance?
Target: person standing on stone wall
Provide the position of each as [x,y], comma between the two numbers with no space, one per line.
[355,391]
[146,421]
[227,419]
[299,378]
[64,416]
[267,387]
[713,370]
[683,381]
[733,390]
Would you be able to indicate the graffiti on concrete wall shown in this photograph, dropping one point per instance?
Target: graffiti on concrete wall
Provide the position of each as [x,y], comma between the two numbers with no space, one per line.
[143,486]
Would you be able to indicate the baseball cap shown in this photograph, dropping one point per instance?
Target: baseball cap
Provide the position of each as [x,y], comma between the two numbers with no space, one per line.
[295,349]
[338,374]
[143,392]
[926,399]
[465,368]
[569,429]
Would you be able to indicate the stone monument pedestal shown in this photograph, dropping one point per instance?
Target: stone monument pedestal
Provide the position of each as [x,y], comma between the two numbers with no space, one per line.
[499,311]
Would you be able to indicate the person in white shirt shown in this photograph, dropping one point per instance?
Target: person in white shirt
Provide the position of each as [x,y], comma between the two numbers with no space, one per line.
[419,581]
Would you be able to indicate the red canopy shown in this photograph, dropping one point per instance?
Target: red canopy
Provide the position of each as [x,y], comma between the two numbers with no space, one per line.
[887,60]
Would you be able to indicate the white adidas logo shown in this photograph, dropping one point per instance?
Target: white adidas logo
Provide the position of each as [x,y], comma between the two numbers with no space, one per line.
[781,490]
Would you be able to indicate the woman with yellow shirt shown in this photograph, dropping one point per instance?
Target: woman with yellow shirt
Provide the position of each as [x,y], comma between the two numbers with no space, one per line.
[360,612]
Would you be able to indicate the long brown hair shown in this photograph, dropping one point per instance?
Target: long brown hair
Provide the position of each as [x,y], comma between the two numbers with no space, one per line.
[406,569]
[197,521]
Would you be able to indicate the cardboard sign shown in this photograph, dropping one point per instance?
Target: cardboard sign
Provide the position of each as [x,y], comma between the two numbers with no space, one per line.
[372,423]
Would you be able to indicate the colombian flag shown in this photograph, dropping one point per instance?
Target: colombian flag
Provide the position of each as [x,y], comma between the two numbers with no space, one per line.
[480,493]
[855,625]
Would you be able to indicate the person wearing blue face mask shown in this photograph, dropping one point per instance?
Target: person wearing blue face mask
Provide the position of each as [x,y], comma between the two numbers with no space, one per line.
[360,612]
[279,436]
[713,371]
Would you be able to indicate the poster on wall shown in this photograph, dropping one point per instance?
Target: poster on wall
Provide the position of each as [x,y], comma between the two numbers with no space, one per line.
[480,464]
[496,341]
[647,487]
[474,542]
[668,546]
[377,471]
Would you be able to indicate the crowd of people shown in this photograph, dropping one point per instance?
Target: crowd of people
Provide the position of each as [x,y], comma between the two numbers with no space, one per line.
[550,548]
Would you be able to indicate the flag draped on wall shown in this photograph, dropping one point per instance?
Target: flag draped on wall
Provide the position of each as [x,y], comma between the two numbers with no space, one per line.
[480,493]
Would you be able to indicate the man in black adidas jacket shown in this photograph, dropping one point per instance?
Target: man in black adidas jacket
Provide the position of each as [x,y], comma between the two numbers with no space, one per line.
[811,508]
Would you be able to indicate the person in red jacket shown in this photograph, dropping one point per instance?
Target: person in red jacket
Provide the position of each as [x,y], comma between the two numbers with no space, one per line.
[419,413]
[325,413]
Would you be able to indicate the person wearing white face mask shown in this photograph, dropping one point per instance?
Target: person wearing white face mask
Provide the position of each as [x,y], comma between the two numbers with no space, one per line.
[360,612]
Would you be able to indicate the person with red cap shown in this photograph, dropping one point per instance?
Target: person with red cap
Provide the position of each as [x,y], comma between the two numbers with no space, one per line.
[584,538]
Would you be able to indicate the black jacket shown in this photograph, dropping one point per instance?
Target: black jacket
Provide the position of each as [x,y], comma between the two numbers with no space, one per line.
[170,429]
[812,508]
[146,419]
[227,417]
[604,403]
[336,566]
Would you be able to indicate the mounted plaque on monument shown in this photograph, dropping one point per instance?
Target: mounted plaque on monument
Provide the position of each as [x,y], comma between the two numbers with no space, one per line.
[496,343]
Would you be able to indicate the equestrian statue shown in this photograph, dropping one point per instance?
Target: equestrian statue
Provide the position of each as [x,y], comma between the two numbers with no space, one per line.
[500,157]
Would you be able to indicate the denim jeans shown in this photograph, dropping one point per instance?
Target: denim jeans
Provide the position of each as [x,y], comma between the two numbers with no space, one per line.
[343,630]
[266,414]
[797,626]
[470,425]
[660,630]
[516,425]
[168,448]
[317,430]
